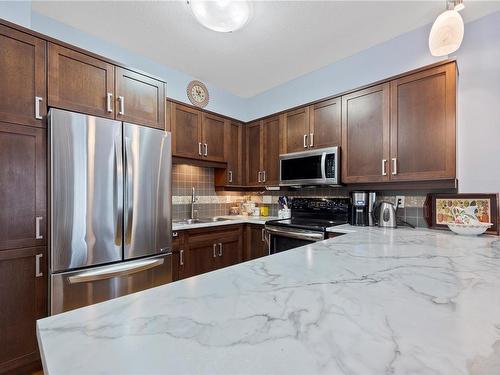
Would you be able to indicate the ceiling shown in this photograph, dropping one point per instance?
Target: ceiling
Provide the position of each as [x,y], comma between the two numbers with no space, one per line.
[282,41]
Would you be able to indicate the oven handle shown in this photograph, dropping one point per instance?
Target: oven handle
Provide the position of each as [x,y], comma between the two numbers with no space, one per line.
[296,234]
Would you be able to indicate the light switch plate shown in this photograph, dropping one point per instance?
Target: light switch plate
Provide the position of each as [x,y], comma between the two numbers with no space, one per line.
[401,200]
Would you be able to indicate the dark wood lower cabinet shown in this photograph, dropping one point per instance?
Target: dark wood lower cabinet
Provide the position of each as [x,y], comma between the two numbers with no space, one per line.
[255,244]
[23,291]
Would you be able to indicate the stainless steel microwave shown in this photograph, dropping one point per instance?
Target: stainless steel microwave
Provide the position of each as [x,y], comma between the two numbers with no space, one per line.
[316,167]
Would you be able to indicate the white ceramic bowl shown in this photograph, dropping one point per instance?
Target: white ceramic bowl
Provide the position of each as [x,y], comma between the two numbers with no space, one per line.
[469,229]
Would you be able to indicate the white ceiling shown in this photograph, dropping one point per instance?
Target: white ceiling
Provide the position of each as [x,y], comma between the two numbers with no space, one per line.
[282,41]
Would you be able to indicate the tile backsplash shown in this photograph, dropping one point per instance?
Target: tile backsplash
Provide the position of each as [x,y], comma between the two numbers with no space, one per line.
[214,203]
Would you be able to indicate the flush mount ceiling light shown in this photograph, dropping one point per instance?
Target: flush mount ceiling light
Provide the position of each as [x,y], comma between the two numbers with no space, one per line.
[221,15]
[447,31]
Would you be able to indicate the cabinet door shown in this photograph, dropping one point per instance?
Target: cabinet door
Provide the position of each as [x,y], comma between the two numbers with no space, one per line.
[234,153]
[186,131]
[271,151]
[22,186]
[296,129]
[230,250]
[139,99]
[179,266]
[201,257]
[213,137]
[423,125]
[326,124]
[24,300]
[254,147]
[365,135]
[22,78]
[80,83]
[255,246]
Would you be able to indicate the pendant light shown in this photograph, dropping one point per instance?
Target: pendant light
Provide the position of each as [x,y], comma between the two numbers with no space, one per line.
[447,31]
[221,15]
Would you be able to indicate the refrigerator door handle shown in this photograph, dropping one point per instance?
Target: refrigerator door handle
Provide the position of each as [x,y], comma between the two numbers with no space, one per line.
[115,271]
[129,190]
[118,190]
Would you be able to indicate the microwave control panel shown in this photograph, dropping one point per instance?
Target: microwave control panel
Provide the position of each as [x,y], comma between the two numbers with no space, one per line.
[330,165]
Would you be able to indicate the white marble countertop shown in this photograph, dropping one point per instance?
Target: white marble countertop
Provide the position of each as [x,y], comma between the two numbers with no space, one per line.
[240,219]
[370,302]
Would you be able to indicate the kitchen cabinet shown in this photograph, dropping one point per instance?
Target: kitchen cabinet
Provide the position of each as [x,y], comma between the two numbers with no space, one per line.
[212,137]
[423,107]
[80,83]
[314,126]
[296,130]
[197,135]
[23,217]
[262,152]
[23,287]
[325,124]
[139,99]
[255,243]
[206,249]
[365,135]
[271,151]
[22,76]
[254,152]
[234,150]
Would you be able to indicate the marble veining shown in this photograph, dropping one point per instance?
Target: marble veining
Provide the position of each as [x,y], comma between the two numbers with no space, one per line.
[372,301]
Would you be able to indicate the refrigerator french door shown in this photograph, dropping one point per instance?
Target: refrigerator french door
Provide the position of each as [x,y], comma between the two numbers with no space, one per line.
[110,209]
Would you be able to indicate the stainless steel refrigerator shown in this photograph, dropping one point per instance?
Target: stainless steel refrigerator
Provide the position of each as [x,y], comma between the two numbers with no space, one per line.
[110,199]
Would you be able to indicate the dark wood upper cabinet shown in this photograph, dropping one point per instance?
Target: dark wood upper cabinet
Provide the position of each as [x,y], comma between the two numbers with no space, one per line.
[325,124]
[139,99]
[22,78]
[271,151]
[23,219]
[296,135]
[234,153]
[254,152]
[23,287]
[365,135]
[423,125]
[212,137]
[186,131]
[80,83]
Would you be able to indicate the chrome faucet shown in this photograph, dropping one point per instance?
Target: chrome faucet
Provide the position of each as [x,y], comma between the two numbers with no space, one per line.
[193,201]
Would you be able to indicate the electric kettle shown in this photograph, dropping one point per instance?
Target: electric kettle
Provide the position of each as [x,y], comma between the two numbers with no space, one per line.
[386,215]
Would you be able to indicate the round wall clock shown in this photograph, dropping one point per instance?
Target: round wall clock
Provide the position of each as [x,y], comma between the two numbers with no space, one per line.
[197,93]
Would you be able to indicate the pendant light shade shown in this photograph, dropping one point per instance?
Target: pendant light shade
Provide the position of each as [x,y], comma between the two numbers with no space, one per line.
[446,34]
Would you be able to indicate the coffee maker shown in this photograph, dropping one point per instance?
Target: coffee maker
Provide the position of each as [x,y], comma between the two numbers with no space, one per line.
[361,208]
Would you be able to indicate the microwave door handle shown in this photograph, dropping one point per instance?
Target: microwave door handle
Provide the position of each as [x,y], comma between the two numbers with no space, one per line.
[323,166]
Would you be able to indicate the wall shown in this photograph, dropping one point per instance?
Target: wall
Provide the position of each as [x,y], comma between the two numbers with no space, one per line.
[220,101]
[16,11]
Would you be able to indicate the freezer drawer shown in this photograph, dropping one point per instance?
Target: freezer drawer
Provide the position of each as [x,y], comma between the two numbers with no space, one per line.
[71,290]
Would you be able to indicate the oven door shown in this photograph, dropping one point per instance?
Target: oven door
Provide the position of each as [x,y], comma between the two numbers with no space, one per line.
[282,238]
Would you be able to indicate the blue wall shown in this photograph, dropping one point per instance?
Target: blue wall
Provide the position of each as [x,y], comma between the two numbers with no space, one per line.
[16,11]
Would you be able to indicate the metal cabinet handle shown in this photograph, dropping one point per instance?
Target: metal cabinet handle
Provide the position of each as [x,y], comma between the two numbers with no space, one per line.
[38,100]
[263,234]
[175,234]
[230,176]
[220,249]
[215,250]
[311,139]
[394,166]
[199,148]
[38,235]
[263,176]
[384,172]
[305,140]
[38,273]
[109,98]
[181,257]
[121,99]
[206,149]
[258,177]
